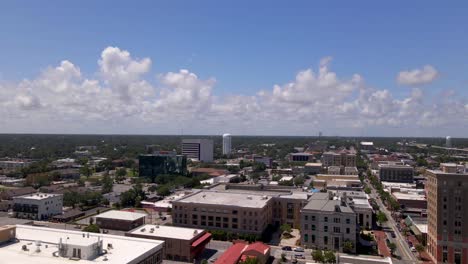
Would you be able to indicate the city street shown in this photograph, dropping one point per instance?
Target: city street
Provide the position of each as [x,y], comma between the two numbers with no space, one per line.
[403,249]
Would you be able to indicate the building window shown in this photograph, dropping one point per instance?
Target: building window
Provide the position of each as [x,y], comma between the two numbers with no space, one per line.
[312,238]
[325,240]
[336,229]
[306,238]
[312,218]
[325,229]
[347,230]
[306,226]
[312,227]
[348,221]
[325,219]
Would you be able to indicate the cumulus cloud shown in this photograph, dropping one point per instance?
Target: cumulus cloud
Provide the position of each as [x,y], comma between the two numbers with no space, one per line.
[418,76]
[124,100]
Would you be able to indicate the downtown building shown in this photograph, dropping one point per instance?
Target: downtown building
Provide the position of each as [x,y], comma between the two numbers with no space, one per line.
[328,221]
[198,149]
[161,162]
[344,157]
[447,200]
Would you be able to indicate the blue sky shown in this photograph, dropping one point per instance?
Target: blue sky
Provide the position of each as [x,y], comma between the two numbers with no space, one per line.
[247,46]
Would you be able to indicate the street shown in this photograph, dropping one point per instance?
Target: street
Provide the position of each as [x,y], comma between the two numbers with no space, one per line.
[403,249]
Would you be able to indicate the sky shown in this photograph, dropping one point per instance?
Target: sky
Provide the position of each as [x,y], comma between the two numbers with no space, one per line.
[345,68]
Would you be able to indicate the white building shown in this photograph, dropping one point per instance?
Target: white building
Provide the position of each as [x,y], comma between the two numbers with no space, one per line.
[41,245]
[38,206]
[198,149]
[226,144]
[448,142]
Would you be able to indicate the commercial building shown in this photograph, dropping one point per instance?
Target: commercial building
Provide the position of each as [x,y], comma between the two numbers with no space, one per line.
[328,222]
[198,149]
[240,252]
[359,202]
[265,160]
[37,206]
[42,245]
[120,220]
[9,165]
[229,211]
[447,238]
[395,173]
[301,157]
[411,199]
[180,244]
[226,144]
[161,162]
[337,182]
[366,146]
[334,170]
[342,157]
[313,168]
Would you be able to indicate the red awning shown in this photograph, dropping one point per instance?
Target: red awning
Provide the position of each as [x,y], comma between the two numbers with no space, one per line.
[203,239]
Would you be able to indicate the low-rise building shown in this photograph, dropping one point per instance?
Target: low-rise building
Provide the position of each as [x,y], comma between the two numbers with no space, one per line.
[228,211]
[301,157]
[343,157]
[410,199]
[334,170]
[351,171]
[240,252]
[120,220]
[42,245]
[395,173]
[180,244]
[328,222]
[38,206]
[313,168]
[359,202]
[265,160]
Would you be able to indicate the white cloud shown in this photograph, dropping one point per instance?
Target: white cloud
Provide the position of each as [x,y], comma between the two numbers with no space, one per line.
[418,76]
[121,100]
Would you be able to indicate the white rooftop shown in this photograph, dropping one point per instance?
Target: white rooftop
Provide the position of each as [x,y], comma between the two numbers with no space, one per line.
[38,196]
[167,231]
[227,198]
[121,215]
[124,249]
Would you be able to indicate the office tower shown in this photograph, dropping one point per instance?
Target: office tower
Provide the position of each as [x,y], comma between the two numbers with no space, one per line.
[162,162]
[198,149]
[226,144]
[448,142]
[447,199]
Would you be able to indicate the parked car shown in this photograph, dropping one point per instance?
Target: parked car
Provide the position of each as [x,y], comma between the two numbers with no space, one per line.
[299,249]
[286,248]
[413,249]
[393,234]
[299,256]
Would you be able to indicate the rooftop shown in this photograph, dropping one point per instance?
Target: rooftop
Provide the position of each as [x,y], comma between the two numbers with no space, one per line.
[123,250]
[121,215]
[167,231]
[322,202]
[238,199]
[313,164]
[38,196]
[409,196]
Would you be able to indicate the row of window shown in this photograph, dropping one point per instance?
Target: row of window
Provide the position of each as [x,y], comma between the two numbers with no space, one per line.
[336,229]
[325,219]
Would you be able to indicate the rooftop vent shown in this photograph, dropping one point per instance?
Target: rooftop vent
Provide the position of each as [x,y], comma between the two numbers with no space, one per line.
[249,197]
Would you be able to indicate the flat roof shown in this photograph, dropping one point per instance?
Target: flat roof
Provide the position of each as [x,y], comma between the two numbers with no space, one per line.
[38,196]
[238,199]
[182,233]
[121,215]
[321,202]
[124,249]
[409,196]
[313,164]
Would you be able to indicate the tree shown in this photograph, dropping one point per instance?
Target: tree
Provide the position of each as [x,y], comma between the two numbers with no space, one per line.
[258,166]
[163,190]
[419,249]
[348,246]
[381,217]
[367,190]
[298,180]
[93,228]
[107,183]
[285,228]
[250,260]
[317,255]
[329,257]
[120,174]
[86,171]
[392,247]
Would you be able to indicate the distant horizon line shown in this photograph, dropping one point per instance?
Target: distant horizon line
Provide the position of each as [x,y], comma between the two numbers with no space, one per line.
[221,134]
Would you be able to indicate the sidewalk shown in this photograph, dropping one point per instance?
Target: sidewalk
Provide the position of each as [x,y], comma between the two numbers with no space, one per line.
[381,237]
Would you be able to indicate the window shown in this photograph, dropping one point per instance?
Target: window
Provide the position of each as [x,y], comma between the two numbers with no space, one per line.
[312,218]
[348,221]
[325,219]
[347,230]
[325,229]
[336,229]
[306,238]
[312,238]
[325,240]
[306,217]
[306,226]
[312,227]
[336,220]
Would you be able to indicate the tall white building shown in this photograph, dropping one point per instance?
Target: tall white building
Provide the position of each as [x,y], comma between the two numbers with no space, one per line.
[38,206]
[448,142]
[198,149]
[226,144]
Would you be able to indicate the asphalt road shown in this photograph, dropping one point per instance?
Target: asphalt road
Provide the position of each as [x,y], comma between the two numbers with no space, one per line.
[402,247]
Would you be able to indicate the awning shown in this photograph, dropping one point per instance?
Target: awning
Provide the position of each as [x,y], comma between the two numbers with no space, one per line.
[203,239]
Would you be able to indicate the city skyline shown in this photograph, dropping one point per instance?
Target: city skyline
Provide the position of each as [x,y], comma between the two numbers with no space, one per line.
[246,69]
